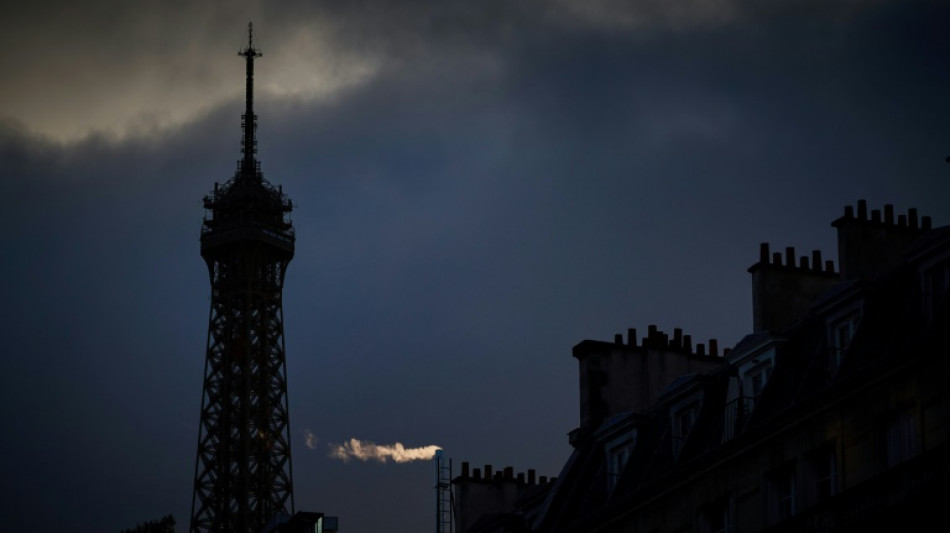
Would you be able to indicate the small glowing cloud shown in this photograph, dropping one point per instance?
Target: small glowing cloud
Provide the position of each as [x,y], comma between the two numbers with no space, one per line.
[311,439]
[365,451]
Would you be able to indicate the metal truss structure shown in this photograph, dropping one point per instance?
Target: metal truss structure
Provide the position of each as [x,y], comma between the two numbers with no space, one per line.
[243,473]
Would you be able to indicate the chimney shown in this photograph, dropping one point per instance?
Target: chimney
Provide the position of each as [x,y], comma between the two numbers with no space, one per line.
[618,378]
[868,248]
[782,291]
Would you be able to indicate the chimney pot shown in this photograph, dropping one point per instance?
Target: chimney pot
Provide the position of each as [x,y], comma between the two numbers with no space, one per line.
[764,252]
[777,259]
[876,216]
[902,221]
[677,338]
[688,343]
[464,469]
[889,214]
[488,472]
[816,260]
[521,478]
[862,209]
[544,480]
[848,211]
[632,336]
[531,476]
[803,262]
[700,348]
[618,338]
[790,256]
[509,473]
[912,216]
[714,347]
[925,223]
[476,473]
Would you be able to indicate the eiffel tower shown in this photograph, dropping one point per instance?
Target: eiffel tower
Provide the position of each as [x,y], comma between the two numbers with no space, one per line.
[243,467]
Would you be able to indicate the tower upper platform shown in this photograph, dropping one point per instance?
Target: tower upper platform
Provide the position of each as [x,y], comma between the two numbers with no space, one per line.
[247,207]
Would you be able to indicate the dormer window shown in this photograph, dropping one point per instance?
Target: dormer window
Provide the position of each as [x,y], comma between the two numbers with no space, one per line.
[619,451]
[753,359]
[754,380]
[683,415]
[841,329]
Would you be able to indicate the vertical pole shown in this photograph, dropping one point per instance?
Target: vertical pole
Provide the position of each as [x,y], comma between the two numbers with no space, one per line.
[451,502]
[438,491]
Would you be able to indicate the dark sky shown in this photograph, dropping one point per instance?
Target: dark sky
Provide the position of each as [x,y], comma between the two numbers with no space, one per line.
[478,187]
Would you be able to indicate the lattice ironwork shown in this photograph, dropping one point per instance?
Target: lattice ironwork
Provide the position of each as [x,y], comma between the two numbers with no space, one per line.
[243,468]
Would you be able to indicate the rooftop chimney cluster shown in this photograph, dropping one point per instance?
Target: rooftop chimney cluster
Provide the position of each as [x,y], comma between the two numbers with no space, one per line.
[506,474]
[679,343]
[776,259]
[903,221]
[871,245]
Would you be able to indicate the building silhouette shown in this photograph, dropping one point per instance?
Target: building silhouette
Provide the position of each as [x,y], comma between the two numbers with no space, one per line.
[243,467]
[832,415]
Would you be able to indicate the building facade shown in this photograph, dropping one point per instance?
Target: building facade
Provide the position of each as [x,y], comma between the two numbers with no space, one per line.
[832,415]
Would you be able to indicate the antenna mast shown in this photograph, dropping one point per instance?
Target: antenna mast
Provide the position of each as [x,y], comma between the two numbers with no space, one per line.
[249,165]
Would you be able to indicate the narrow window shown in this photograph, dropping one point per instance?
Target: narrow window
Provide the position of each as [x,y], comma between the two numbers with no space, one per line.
[903,441]
[781,493]
[754,383]
[618,454]
[718,517]
[936,282]
[822,473]
[840,335]
[683,421]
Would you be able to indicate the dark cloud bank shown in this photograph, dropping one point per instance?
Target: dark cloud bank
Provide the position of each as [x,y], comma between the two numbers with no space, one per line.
[496,194]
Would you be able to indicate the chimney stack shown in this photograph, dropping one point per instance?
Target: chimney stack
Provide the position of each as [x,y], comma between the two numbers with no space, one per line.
[782,291]
[868,248]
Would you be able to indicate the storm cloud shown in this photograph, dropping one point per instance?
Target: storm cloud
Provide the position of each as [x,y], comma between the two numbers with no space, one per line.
[477,187]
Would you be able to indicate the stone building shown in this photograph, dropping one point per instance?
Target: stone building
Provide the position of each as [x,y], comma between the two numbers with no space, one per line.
[832,415]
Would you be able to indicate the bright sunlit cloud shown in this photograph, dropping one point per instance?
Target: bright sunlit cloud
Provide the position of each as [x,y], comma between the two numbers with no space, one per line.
[366,451]
[64,82]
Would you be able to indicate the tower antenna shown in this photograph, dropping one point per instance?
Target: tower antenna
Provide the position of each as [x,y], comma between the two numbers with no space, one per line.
[249,165]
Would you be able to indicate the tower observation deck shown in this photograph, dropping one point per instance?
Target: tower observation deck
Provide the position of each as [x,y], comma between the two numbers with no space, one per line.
[243,467]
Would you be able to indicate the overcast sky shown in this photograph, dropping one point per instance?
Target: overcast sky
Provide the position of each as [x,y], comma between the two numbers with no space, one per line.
[478,186]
